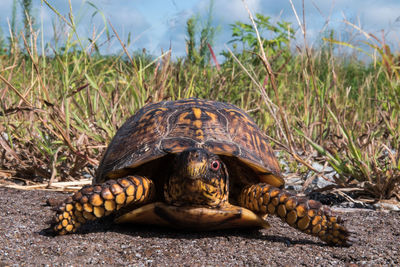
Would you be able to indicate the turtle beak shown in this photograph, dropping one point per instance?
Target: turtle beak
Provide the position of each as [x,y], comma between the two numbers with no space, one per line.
[193,164]
[196,170]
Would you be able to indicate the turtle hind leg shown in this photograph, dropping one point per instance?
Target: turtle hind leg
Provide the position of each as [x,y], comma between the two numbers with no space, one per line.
[309,216]
[96,201]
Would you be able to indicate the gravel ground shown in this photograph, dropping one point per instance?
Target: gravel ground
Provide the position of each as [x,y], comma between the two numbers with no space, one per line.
[23,241]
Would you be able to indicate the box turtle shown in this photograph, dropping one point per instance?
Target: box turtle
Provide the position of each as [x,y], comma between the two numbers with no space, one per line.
[195,164]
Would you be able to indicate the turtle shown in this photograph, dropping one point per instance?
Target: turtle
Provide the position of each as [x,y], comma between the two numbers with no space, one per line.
[194,164]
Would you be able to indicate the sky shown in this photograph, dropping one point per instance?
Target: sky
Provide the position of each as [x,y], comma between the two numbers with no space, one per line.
[157,25]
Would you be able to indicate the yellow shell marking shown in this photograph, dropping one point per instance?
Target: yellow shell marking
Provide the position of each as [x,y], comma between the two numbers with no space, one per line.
[199,134]
[182,120]
[213,116]
[198,123]
[197,113]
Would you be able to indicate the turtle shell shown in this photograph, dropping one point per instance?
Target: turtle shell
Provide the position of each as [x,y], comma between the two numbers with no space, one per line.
[162,128]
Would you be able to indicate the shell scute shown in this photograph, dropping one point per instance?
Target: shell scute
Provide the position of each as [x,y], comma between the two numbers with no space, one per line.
[173,126]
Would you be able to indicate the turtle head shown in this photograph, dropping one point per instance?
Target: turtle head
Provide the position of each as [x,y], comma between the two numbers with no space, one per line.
[199,178]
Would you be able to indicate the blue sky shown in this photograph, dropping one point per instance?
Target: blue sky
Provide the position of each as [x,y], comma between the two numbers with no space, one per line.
[158,24]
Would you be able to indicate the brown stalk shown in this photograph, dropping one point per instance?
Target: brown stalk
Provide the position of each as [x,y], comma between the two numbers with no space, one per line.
[13,52]
[163,77]
[124,47]
[36,69]
[80,88]
[60,134]
[7,148]
[268,67]
[53,167]
[16,91]
[270,105]
[10,111]
[310,65]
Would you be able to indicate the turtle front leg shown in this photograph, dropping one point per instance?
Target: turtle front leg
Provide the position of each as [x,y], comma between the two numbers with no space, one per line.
[96,201]
[309,216]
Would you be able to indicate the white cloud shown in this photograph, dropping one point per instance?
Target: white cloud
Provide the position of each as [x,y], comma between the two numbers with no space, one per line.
[229,11]
[162,23]
[175,33]
[5,14]
[379,16]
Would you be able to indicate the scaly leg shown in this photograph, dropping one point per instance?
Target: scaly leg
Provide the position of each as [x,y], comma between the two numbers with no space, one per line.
[309,216]
[96,201]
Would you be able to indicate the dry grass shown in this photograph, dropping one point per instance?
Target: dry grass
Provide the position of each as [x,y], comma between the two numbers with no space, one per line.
[59,111]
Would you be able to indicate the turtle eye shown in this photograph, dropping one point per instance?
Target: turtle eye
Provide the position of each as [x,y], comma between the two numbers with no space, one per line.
[215,165]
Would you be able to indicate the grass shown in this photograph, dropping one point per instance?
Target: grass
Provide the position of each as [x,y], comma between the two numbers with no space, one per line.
[60,110]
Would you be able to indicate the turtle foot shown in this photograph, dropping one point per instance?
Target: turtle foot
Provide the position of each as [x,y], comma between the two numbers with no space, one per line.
[309,216]
[96,201]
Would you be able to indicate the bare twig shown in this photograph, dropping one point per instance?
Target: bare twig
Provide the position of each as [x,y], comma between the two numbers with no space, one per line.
[297,18]
[270,105]
[36,69]
[286,133]
[124,47]
[53,167]
[6,147]
[15,90]
[57,186]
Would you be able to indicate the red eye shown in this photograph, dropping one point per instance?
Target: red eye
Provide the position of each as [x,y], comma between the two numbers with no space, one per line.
[215,165]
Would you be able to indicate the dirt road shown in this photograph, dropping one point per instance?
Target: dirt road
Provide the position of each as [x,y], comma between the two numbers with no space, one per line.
[23,217]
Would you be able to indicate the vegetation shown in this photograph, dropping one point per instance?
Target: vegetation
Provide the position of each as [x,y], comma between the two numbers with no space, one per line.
[59,110]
